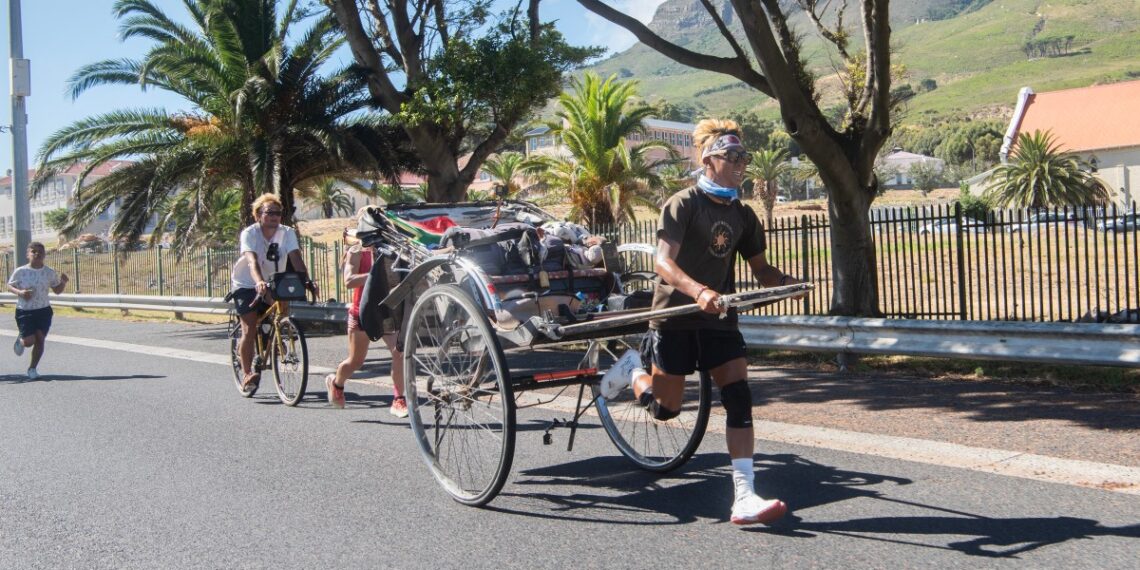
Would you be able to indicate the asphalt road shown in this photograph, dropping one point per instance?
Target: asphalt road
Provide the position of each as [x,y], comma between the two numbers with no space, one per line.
[127,459]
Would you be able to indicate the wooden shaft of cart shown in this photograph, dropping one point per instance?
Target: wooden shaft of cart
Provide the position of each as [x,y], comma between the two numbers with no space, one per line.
[741,301]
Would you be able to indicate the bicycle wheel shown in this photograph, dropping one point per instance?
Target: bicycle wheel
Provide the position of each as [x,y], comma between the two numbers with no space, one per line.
[460,401]
[290,362]
[235,359]
[659,446]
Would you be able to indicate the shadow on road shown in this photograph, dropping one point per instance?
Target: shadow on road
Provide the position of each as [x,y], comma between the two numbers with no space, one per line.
[48,377]
[704,492]
[978,401]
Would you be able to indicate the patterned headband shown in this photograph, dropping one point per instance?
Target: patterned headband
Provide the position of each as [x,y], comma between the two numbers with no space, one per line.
[723,144]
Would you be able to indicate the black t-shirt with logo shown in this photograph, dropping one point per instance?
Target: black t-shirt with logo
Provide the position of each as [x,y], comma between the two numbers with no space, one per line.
[710,234]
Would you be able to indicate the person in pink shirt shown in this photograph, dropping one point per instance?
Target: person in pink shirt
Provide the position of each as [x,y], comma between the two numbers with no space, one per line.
[358,262]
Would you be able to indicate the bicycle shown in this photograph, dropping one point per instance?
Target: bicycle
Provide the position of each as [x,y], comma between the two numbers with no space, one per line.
[280,345]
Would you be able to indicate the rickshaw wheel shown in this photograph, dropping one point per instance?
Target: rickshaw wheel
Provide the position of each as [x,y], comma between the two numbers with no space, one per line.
[460,401]
[659,446]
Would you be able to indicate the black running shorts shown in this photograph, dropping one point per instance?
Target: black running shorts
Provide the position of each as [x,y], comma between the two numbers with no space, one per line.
[681,352]
[30,321]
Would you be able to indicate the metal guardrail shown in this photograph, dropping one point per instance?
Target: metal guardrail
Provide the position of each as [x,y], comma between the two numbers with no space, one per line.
[323,312]
[1057,343]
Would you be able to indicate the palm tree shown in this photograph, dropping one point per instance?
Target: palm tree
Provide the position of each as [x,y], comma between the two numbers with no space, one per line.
[675,177]
[262,117]
[766,168]
[1040,174]
[390,193]
[508,168]
[325,194]
[603,177]
[198,219]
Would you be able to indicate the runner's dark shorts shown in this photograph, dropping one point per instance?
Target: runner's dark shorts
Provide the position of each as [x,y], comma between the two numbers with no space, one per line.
[681,352]
[30,321]
[246,300]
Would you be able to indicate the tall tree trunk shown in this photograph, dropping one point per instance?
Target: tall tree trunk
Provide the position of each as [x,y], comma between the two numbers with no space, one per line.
[853,262]
[248,193]
[446,183]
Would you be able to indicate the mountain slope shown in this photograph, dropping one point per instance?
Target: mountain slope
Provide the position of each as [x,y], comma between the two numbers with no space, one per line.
[975,55]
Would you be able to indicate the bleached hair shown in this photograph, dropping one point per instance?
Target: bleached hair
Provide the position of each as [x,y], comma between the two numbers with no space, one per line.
[708,130]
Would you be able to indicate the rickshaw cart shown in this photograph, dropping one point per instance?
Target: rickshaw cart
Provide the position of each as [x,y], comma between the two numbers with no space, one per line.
[459,326]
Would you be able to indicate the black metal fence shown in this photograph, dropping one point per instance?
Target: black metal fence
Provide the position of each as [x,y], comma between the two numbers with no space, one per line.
[933,263]
[201,272]
[937,263]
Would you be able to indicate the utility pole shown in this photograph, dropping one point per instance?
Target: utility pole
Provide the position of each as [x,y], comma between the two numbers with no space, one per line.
[21,87]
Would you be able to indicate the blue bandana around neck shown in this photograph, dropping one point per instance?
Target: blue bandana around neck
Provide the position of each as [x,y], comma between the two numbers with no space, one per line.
[709,187]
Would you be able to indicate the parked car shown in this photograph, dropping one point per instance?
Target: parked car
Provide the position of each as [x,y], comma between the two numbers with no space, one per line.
[1041,220]
[950,226]
[1124,223]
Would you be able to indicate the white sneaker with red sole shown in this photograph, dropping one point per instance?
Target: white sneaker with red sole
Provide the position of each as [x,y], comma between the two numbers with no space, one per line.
[754,509]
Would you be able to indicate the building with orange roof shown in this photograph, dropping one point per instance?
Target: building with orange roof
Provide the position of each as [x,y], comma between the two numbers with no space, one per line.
[59,192]
[1100,123]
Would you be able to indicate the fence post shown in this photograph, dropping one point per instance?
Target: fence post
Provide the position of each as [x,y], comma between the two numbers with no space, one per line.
[115,266]
[161,288]
[963,307]
[312,267]
[338,274]
[75,264]
[805,264]
[209,272]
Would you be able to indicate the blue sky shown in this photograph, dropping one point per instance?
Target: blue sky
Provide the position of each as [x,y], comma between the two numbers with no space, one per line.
[60,36]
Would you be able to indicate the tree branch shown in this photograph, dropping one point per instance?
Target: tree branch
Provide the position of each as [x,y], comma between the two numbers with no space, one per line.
[441,22]
[410,43]
[535,24]
[724,30]
[839,36]
[877,29]
[736,67]
[379,84]
[384,34]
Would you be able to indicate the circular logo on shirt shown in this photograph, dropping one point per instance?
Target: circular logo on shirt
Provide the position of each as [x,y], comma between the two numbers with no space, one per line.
[721,243]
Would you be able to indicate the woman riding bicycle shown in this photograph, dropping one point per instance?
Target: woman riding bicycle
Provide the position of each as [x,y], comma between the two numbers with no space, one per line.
[263,245]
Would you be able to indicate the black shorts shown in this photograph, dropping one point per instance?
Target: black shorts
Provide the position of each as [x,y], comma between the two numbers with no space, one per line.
[30,321]
[246,300]
[681,352]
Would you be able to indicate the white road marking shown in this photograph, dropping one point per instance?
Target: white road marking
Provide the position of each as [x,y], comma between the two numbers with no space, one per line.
[196,356]
[1106,476]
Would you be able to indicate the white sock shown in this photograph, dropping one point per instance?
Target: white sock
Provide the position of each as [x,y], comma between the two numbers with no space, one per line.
[742,477]
[638,373]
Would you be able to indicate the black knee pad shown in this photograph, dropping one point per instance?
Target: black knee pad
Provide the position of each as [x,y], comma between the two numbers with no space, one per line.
[660,414]
[737,401]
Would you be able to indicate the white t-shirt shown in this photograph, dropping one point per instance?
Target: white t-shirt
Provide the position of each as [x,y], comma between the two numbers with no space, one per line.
[40,281]
[252,239]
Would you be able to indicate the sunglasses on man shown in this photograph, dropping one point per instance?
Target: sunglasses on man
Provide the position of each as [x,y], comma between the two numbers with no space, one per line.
[735,157]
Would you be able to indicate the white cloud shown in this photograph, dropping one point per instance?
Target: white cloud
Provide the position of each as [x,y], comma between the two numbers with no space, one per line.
[616,38]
